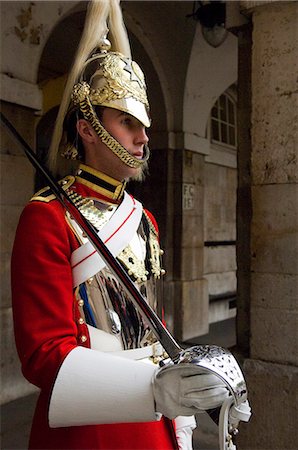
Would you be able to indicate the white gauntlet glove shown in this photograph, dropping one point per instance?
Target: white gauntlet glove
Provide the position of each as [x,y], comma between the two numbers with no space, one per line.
[185,389]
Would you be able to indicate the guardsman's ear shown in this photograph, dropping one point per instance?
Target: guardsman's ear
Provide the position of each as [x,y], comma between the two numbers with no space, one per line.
[86,131]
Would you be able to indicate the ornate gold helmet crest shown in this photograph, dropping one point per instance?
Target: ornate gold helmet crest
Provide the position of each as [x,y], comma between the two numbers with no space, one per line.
[110,79]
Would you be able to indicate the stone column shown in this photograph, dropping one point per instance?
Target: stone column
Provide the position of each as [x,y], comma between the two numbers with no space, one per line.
[268,261]
[185,278]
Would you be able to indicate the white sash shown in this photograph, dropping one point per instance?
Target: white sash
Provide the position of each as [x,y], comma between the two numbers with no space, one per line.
[116,234]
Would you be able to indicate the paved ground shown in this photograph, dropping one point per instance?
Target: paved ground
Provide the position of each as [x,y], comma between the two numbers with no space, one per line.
[16,419]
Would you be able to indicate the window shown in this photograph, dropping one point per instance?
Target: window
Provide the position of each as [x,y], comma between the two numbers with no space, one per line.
[223,121]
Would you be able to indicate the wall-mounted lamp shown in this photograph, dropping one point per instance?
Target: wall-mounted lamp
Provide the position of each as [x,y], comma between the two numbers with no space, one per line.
[212,17]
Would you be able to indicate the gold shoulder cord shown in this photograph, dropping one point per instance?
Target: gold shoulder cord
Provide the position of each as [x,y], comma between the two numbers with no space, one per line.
[136,267]
[155,251]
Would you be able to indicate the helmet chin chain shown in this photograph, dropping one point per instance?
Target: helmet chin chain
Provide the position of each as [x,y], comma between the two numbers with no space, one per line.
[82,93]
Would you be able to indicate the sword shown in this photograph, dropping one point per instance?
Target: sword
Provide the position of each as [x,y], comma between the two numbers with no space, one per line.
[209,357]
[166,339]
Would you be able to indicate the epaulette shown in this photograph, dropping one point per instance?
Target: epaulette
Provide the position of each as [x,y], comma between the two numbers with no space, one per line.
[150,223]
[46,194]
[154,252]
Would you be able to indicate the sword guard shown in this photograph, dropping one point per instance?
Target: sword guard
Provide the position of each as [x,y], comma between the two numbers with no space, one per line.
[220,362]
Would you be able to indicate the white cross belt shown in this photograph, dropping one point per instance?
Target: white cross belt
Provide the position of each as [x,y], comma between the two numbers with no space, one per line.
[116,235]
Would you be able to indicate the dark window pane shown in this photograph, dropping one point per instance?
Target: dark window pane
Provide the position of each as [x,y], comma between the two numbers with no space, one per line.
[214,130]
[223,108]
[232,140]
[224,137]
[231,112]
[214,111]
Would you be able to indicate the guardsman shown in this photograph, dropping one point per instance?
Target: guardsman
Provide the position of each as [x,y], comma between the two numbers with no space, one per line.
[79,337]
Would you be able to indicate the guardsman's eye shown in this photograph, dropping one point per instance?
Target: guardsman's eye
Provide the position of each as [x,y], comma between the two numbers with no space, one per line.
[126,121]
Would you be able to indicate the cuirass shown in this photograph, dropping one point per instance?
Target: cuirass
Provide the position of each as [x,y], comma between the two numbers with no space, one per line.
[107,305]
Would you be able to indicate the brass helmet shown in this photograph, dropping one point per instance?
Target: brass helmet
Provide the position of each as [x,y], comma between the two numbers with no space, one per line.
[115,81]
[101,77]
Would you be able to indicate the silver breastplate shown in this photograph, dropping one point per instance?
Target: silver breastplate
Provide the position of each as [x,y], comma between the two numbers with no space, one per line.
[107,306]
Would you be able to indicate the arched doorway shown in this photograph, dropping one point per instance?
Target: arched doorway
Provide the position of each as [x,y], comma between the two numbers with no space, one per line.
[211,78]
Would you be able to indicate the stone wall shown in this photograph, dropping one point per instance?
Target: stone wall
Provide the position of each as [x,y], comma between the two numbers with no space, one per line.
[272,227]
[17,179]
[220,228]
[187,285]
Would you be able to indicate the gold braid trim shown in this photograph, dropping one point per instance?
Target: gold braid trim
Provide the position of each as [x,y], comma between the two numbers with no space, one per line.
[150,223]
[155,251]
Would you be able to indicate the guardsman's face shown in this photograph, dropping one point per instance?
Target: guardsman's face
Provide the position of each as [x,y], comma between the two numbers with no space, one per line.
[128,131]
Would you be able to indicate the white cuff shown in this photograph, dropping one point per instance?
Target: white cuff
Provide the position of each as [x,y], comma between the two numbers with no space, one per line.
[93,387]
[185,421]
[184,426]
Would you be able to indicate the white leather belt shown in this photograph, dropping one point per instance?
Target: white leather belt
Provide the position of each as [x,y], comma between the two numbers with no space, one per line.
[109,343]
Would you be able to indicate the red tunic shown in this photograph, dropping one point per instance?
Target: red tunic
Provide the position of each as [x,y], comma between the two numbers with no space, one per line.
[46,330]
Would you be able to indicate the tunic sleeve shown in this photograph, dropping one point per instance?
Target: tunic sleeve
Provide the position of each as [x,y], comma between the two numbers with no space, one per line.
[42,295]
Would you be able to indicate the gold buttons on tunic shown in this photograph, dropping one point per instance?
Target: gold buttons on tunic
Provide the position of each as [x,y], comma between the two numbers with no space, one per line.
[81,302]
[83,338]
[81,321]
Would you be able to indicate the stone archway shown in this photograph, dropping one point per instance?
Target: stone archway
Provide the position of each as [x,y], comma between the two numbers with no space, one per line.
[210,72]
